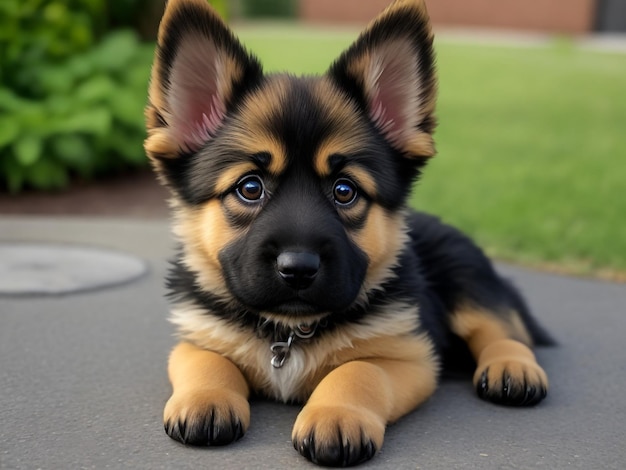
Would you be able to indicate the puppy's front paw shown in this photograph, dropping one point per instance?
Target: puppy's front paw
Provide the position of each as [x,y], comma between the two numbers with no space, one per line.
[213,418]
[511,382]
[337,436]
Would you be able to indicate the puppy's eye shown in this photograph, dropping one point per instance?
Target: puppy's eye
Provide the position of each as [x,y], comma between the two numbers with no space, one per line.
[345,192]
[251,189]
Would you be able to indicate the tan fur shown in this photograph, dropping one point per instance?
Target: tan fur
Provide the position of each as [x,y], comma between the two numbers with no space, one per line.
[232,175]
[382,239]
[348,136]
[259,141]
[361,397]
[349,132]
[249,132]
[410,370]
[499,346]
[384,335]
[479,328]
[377,382]
[205,384]
[204,232]
[362,178]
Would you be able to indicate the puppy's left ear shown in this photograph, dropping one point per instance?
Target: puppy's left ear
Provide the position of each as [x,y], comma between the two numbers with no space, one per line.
[390,72]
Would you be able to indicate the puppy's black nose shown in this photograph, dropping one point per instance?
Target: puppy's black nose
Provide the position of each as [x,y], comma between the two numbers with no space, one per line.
[298,269]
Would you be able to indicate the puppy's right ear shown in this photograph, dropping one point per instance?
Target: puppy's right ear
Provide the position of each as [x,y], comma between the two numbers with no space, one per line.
[200,70]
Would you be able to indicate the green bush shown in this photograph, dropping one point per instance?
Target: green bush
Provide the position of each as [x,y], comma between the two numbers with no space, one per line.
[269,8]
[70,104]
[33,32]
[88,121]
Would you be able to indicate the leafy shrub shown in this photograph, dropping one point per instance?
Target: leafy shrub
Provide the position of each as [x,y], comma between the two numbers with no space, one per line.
[89,120]
[269,8]
[69,105]
[44,31]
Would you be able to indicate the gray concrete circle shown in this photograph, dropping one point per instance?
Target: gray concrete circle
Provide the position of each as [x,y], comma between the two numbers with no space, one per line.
[52,269]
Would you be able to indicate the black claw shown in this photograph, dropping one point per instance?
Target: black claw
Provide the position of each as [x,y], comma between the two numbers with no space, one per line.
[537,395]
[310,448]
[482,387]
[342,451]
[529,396]
[346,453]
[507,393]
[211,431]
[173,430]
[180,429]
[238,430]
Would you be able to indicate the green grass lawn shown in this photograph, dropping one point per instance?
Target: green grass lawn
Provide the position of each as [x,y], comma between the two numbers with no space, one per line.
[532,144]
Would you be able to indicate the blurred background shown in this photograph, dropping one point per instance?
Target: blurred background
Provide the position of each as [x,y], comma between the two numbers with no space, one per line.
[532,109]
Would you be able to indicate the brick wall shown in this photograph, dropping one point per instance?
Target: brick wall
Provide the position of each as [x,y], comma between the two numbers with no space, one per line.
[559,16]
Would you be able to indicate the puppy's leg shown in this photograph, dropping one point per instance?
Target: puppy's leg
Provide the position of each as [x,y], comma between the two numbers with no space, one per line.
[209,404]
[343,423]
[507,371]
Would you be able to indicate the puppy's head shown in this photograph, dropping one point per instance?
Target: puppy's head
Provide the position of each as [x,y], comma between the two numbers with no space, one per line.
[288,192]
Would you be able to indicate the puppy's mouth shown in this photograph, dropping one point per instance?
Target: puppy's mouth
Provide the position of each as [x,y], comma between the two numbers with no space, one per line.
[296,306]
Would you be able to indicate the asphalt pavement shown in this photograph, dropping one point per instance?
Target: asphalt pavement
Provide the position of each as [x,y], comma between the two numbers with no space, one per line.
[83,378]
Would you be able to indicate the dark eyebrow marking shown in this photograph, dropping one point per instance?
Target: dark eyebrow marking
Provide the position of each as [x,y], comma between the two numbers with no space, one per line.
[262,159]
[336,162]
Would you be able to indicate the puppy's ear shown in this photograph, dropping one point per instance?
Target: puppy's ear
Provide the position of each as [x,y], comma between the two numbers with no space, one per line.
[390,71]
[199,71]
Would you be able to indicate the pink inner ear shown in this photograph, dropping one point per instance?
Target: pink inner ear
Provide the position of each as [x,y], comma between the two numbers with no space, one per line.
[196,97]
[394,92]
[202,126]
[386,111]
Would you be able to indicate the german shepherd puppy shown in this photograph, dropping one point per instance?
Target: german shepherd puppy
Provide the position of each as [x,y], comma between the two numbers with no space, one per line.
[302,275]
